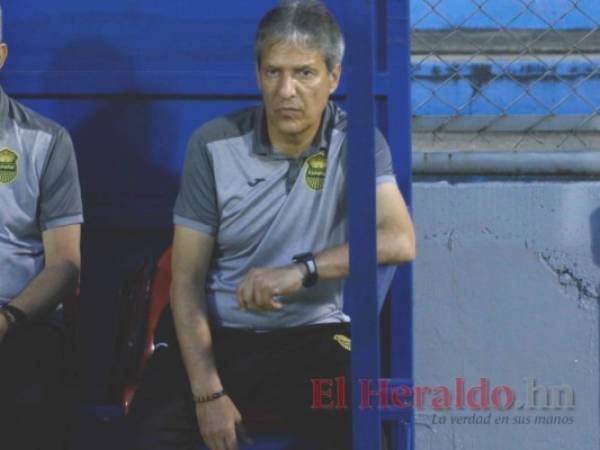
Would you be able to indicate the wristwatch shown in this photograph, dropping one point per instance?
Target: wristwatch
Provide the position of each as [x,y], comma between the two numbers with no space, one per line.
[308,259]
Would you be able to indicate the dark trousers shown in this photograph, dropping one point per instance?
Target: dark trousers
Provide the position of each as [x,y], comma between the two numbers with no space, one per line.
[263,373]
[32,390]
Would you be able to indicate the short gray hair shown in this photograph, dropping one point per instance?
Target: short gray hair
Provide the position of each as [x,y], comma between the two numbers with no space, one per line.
[304,22]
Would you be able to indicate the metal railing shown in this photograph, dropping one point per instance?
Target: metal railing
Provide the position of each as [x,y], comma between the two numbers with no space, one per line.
[506,75]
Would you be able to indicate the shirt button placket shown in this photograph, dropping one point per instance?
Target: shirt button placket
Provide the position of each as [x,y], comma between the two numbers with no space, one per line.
[292,174]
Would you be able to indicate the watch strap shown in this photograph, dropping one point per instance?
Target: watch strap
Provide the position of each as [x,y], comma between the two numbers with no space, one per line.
[308,260]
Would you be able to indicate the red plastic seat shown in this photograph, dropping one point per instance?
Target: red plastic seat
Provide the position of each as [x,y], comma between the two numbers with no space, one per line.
[159,299]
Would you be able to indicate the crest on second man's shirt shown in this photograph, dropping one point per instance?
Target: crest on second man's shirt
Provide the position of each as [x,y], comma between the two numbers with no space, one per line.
[316,166]
[8,165]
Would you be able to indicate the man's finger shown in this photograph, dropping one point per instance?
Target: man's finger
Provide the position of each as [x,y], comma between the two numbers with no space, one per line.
[266,294]
[242,435]
[238,293]
[262,295]
[256,295]
[230,442]
[211,443]
[241,302]
[275,304]
[246,292]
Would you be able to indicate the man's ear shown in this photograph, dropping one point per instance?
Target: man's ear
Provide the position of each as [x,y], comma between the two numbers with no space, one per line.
[3,53]
[334,78]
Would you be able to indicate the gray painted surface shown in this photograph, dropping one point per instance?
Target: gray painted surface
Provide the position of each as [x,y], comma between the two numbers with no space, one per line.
[466,40]
[506,287]
[585,163]
[505,141]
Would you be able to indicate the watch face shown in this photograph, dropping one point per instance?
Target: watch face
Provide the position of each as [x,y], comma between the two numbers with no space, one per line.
[308,259]
[312,266]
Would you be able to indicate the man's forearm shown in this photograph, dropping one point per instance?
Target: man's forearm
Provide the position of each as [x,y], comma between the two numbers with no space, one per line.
[188,304]
[53,284]
[334,262]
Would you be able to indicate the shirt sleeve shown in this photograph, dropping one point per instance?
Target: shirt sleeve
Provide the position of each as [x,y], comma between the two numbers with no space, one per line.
[60,194]
[384,169]
[196,204]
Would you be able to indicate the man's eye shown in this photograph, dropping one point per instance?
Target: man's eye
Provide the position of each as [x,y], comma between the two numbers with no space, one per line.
[306,73]
[272,72]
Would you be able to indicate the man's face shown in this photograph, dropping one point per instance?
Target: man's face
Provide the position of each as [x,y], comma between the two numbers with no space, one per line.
[295,86]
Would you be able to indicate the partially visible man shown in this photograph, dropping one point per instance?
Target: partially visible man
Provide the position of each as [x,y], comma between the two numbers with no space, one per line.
[260,253]
[40,217]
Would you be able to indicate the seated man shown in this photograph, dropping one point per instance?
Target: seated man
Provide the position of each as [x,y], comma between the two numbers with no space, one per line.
[260,253]
[40,221]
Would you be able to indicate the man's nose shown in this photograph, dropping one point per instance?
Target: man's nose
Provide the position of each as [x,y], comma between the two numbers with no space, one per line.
[287,89]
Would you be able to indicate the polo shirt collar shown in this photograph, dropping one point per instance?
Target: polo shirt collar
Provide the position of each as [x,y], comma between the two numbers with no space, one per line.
[262,143]
[3,105]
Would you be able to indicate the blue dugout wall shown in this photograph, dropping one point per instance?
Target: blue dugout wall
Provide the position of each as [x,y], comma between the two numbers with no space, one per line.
[131,80]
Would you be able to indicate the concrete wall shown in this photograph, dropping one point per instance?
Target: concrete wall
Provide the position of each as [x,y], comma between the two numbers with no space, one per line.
[506,288]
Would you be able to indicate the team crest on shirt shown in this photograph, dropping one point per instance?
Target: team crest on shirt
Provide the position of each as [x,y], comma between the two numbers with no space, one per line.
[344,341]
[8,165]
[314,176]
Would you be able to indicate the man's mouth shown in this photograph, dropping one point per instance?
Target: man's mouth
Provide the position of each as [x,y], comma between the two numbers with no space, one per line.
[288,110]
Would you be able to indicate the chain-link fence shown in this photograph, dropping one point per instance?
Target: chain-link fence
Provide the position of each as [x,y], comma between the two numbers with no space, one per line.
[506,74]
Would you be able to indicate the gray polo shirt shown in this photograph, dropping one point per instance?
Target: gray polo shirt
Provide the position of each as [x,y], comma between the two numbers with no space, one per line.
[39,190]
[264,207]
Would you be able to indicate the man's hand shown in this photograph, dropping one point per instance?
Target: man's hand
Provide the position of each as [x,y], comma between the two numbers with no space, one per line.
[261,286]
[3,327]
[217,422]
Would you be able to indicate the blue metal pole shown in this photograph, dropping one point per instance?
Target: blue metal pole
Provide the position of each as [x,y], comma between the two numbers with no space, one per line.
[361,200]
[399,101]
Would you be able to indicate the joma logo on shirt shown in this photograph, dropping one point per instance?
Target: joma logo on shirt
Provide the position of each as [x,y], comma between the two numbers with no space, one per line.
[255,182]
[8,165]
